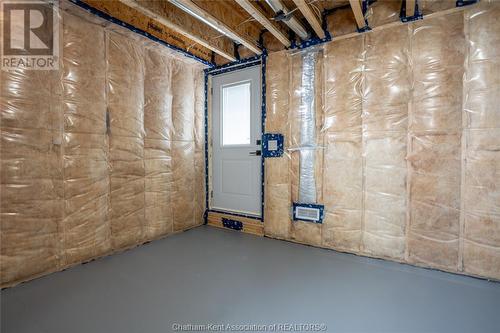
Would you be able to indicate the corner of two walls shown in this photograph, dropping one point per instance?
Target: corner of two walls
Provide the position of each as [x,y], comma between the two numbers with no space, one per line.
[73,188]
[410,128]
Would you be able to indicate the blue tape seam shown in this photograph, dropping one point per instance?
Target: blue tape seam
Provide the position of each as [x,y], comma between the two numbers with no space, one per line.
[462,3]
[402,14]
[263,129]
[230,66]
[235,68]
[311,42]
[365,28]
[205,215]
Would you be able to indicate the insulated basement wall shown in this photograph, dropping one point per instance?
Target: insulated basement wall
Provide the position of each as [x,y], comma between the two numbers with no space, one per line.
[481,144]
[410,136]
[157,142]
[277,176]
[125,80]
[32,195]
[85,229]
[101,155]
[385,91]
[434,134]
[343,164]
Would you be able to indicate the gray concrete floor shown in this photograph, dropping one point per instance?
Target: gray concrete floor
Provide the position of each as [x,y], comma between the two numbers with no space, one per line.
[213,276]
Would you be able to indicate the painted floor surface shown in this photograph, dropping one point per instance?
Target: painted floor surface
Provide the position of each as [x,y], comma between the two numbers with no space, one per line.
[213,276]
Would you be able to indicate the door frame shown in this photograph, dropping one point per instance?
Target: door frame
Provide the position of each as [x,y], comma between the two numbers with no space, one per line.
[209,74]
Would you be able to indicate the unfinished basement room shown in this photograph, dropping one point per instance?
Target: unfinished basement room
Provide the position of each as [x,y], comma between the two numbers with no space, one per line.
[250,166]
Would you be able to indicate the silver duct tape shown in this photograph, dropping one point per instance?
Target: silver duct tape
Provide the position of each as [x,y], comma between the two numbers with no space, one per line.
[307,182]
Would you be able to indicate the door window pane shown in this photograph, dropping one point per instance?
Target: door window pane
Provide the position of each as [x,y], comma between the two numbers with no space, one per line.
[236,114]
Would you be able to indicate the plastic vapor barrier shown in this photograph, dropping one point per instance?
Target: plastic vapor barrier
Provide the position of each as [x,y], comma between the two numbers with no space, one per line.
[407,116]
[157,143]
[278,199]
[86,225]
[481,144]
[125,74]
[183,147]
[199,148]
[32,195]
[100,155]
[385,90]
[343,178]
[435,131]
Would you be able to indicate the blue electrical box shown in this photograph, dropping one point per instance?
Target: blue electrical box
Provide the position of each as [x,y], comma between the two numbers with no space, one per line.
[272,145]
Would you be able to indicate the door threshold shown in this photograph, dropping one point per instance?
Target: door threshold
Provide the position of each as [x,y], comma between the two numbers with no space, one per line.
[236,213]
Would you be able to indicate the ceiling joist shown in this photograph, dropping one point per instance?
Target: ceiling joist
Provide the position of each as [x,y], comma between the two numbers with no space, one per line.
[180,29]
[358,13]
[410,8]
[193,9]
[262,19]
[311,18]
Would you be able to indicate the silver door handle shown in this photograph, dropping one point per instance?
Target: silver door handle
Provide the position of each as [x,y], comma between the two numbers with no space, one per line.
[255,153]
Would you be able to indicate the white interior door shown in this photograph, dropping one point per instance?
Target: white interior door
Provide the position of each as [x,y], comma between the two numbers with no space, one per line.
[236,135]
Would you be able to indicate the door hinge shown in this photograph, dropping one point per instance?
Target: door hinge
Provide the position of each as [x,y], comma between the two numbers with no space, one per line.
[211,194]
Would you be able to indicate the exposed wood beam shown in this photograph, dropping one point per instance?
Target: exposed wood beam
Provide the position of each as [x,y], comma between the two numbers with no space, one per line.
[149,13]
[358,13]
[262,19]
[311,18]
[194,10]
[410,8]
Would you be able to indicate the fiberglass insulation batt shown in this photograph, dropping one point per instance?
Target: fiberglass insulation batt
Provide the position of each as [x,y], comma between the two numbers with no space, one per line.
[409,139]
[86,226]
[481,144]
[100,155]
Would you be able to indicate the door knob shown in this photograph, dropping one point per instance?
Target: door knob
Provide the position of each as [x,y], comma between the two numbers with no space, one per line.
[255,153]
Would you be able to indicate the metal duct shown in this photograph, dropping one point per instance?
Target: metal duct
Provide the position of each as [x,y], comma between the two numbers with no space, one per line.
[294,24]
[307,182]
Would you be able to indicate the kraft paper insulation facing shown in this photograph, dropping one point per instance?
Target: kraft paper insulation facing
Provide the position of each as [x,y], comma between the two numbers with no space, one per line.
[74,189]
[411,130]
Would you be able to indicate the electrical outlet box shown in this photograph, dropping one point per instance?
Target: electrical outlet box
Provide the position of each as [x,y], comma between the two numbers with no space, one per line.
[272,145]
